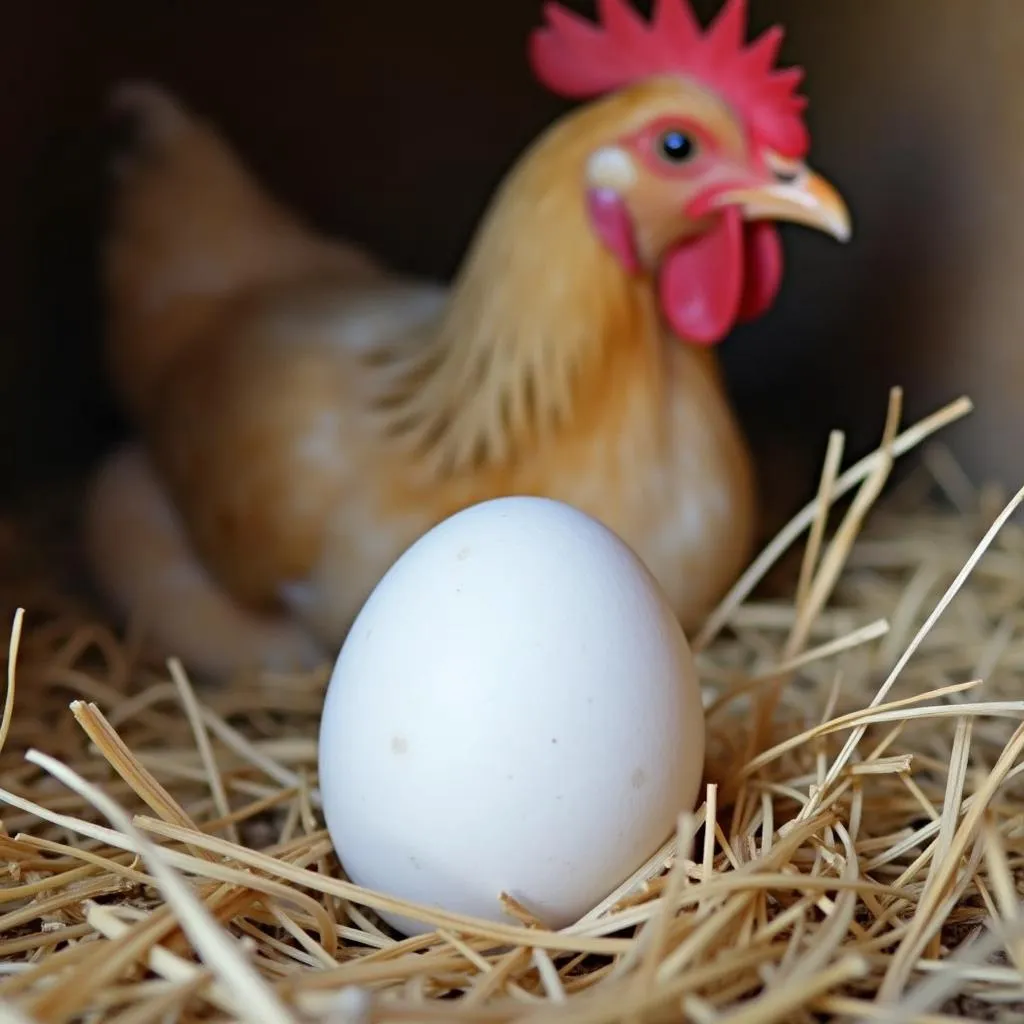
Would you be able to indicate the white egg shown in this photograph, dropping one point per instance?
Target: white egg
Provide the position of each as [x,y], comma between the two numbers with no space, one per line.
[515,709]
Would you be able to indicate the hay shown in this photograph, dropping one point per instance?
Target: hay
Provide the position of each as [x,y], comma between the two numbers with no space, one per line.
[165,859]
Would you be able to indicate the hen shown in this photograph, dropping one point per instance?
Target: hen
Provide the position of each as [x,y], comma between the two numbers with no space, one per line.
[304,415]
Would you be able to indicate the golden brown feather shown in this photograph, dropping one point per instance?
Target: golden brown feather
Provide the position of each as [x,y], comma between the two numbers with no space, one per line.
[309,415]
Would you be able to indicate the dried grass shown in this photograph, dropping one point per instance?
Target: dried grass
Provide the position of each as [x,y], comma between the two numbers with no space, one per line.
[164,857]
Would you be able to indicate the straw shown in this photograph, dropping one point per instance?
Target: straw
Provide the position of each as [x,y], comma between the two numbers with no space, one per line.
[857,853]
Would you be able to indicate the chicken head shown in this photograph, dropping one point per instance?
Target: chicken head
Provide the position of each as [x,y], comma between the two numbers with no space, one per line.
[707,152]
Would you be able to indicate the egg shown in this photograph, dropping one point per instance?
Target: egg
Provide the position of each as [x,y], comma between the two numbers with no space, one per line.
[514,710]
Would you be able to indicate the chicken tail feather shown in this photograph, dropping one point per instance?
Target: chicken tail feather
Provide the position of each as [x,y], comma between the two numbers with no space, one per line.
[190,230]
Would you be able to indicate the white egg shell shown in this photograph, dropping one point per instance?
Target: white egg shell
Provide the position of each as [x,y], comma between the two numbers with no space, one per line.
[515,709]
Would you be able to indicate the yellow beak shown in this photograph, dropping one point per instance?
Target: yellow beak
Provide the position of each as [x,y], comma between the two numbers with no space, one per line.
[804,198]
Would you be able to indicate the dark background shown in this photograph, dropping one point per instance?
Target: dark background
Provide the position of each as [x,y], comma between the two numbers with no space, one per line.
[392,122]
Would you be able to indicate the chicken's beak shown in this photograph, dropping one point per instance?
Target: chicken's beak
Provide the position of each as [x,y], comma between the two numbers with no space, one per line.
[798,195]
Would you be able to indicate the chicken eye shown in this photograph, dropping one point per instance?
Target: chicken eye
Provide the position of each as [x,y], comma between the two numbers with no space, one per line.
[677,147]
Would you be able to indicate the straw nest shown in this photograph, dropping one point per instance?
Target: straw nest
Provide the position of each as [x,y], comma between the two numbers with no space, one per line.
[164,857]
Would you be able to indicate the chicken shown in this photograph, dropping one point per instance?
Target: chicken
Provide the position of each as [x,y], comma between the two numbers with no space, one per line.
[304,414]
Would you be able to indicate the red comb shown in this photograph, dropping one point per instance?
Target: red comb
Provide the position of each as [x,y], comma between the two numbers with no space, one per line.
[579,59]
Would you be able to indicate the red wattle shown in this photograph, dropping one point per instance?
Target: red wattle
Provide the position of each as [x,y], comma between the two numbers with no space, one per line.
[731,274]
[701,282]
[762,257]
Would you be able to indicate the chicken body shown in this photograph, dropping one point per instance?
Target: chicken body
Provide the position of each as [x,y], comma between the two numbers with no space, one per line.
[305,415]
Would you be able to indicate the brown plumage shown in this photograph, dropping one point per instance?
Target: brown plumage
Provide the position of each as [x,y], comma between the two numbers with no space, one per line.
[304,415]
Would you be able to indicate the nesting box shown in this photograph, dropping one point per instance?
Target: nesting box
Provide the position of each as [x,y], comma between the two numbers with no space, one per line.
[859,820]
